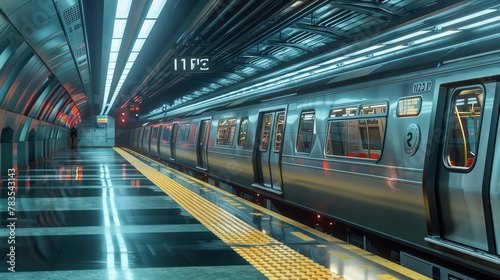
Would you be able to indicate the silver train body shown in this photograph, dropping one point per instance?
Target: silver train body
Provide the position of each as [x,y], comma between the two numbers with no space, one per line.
[412,158]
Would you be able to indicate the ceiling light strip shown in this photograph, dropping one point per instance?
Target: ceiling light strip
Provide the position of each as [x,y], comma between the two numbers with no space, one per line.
[148,24]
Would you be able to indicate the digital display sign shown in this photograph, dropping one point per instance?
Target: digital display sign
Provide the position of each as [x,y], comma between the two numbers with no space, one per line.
[102,121]
[193,64]
[134,108]
[409,107]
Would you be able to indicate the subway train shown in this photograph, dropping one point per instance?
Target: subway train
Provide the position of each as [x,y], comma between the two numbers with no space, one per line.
[409,157]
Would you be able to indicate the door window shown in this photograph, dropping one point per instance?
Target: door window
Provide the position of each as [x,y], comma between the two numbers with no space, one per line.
[463,123]
[266,129]
[278,137]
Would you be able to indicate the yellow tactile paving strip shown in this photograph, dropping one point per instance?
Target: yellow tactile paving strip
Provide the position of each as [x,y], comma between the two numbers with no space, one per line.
[270,257]
[353,249]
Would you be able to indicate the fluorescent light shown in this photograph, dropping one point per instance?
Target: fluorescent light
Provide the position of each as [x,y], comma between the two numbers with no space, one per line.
[296,4]
[156,8]
[334,60]
[467,17]
[123,8]
[439,35]
[301,76]
[138,45]
[418,33]
[367,50]
[480,23]
[310,68]
[122,11]
[113,56]
[115,44]
[133,56]
[326,69]
[119,28]
[355,60]
[393,49]
[146,28]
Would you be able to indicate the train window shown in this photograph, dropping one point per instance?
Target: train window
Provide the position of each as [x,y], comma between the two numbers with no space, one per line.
[242,136]
[225,132]
[306,132]
[266,128]
[192,133]
[463,127]
[343,112]
[183,133]
[375,109]
[278,137]
[165,138]
[155,132]
[361,135]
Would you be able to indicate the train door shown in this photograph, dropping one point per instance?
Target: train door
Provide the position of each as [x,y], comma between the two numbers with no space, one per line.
[268,152]
[461,216]
[201,147]
[173,137]
[158,140]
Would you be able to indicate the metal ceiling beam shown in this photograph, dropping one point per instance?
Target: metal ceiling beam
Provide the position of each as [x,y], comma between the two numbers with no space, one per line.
[374,9]
[301,47]
[327,31]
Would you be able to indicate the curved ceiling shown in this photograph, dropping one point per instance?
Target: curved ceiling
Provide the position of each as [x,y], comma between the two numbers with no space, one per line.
[90,57]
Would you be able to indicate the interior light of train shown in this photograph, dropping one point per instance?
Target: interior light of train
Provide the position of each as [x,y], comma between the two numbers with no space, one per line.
[375,106]
[472,100]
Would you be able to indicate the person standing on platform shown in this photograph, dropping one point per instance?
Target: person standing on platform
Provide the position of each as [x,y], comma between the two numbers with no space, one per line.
[72,135]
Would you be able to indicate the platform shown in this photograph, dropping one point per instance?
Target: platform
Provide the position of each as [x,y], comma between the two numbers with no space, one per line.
[114,214]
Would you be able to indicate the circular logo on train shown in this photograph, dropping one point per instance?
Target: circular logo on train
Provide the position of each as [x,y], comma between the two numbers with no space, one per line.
[411,139]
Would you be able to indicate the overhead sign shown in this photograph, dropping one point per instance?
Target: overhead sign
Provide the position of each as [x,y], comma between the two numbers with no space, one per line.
[191,64]
[102,121]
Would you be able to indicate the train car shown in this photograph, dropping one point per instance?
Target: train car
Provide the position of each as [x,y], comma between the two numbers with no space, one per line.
[410,157]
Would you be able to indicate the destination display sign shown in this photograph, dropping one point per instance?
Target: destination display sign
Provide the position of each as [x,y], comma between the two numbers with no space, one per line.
[409,107]
[191,64]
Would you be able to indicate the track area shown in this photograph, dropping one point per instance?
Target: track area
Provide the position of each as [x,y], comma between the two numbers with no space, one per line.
[222,213]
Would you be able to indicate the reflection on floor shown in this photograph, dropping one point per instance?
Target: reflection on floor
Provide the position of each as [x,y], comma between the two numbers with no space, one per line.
[88,214]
